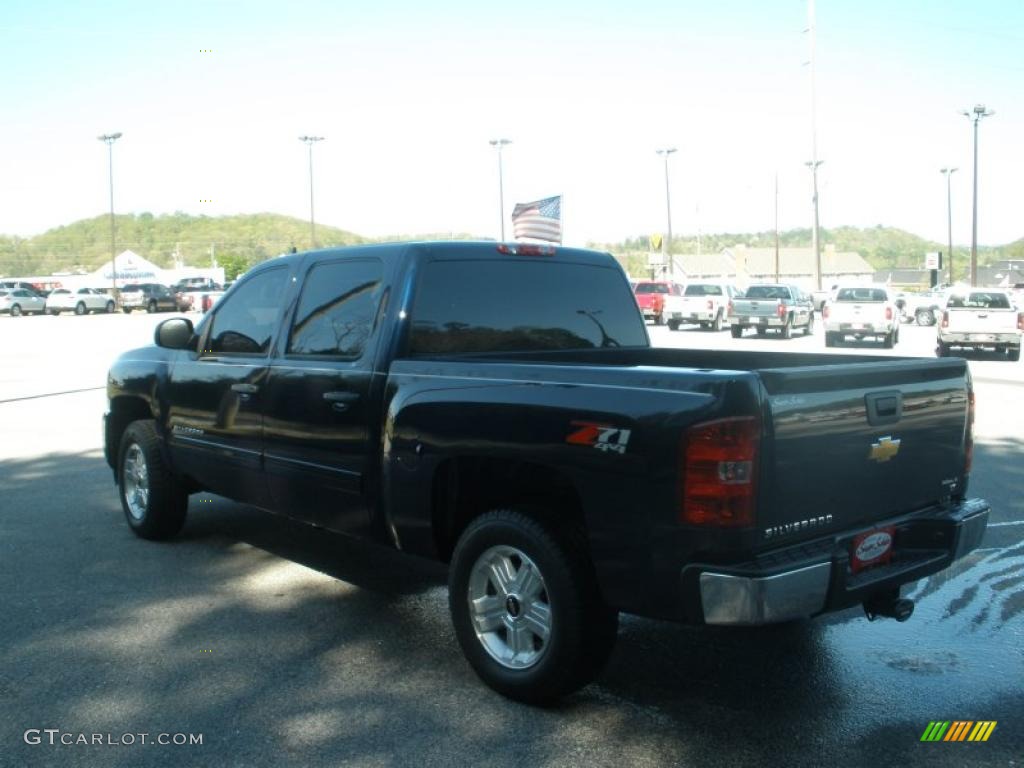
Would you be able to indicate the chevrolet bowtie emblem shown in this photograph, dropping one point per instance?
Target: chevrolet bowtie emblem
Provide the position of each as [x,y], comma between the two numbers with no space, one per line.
[884,449]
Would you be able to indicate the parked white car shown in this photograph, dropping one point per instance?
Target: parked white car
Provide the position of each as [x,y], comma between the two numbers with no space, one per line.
[79,301]
[861,312]
[978,318]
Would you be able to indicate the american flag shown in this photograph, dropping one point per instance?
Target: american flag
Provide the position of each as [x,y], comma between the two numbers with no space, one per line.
[540,220]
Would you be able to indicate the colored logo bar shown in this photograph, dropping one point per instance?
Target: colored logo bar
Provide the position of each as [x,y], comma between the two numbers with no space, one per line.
[959,730]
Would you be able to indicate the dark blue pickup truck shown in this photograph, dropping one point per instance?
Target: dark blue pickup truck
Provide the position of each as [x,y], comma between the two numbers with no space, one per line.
[499,407]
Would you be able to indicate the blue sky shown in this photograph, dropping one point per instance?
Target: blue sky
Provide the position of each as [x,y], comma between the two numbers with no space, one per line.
[408,94]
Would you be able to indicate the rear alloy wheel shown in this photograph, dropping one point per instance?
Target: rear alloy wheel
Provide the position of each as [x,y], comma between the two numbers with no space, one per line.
[716,326]
[736,331]
[151,307]
[526,608]
[15,310]
[787,328]
[80,308]
[110,307]
[809,330]
[126,310]
[924,317]
[153,501]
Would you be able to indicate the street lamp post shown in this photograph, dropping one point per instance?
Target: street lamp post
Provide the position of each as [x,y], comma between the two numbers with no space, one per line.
[666,243]
[976,114]
[948,173]
[309,141]
[498,144]
[109,139]
[815,236]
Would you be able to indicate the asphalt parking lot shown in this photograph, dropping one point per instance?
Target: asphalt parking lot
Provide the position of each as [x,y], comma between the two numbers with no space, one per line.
[282,645]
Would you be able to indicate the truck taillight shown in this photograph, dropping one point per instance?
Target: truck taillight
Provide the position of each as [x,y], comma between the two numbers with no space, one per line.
[719,473]
[711,305]
[969,436]
[526,249]
[888,313]
[945,319]
[783,309]
[1020,321]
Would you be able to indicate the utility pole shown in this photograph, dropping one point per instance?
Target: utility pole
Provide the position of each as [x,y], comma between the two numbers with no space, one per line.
[499,144]
[948,173]
[666,244]
[976,114]
[777,227]
[109,139]
[814,163]
[309,141]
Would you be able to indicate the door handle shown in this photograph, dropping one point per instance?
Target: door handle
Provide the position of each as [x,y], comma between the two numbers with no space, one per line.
[245,389]
[340,400]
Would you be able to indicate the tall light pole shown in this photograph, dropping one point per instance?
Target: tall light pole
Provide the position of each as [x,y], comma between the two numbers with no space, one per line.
[815,237]
[498,144]
[976,114]
[309,141]
[109,139]
[666,243]
[814,162]
[948,173]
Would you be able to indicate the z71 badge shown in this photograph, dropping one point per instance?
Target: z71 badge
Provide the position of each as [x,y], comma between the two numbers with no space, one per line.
[603,437]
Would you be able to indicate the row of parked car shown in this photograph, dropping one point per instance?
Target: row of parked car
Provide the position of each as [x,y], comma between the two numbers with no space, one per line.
[967,318]
[18,299]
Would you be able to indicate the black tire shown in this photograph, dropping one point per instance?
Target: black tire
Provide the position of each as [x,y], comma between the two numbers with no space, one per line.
[659,319]
[126,310]
[716,326]
[830,338]
[761,330]
[809,330]
[889,340]
[80,308]
[151,307]
[787,329]
[736,331]
[1013,353]
[924,316]
[673,325]
[54,312]
[942,350]
[582,629]
[110,307]
[15,310]
[161,514]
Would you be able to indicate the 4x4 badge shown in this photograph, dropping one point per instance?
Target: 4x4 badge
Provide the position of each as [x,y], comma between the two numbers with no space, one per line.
[603,437]
[884,449]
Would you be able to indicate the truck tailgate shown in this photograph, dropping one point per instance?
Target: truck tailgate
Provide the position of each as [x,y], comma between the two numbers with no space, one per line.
[854,446]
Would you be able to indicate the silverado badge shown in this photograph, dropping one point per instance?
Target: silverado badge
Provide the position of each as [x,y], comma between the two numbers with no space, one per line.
[884,449]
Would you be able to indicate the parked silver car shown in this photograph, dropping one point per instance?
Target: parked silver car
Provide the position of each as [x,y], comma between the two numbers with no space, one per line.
[21,301]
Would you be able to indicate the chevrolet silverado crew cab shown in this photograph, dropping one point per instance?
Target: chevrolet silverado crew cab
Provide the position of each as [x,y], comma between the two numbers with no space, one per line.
[499,407]
[978,319]
[861,312]
[771,306]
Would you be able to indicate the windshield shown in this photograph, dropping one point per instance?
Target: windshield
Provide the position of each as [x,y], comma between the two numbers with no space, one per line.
[861,294]
[702,289]
[979,300]
[767,292]
[651,288]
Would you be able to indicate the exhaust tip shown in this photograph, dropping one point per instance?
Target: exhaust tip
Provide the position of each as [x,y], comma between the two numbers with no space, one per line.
[889,607]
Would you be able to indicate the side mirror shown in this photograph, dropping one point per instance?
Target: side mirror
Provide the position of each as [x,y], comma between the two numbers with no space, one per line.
[175,333]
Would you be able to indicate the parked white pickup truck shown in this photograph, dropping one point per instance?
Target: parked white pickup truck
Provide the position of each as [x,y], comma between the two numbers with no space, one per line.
[861,312]
[703,303]
[977,319]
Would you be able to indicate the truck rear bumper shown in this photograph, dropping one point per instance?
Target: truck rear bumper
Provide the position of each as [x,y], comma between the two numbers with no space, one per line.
[980,339]
[787,584]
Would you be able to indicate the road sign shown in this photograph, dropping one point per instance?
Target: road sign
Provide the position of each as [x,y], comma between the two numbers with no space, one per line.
[933,260]
[656,242]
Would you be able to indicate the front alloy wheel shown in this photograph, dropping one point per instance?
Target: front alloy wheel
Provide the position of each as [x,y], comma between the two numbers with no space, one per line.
[153,500]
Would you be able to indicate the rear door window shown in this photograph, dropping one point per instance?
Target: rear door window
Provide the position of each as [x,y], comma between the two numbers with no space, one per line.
[337,309]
